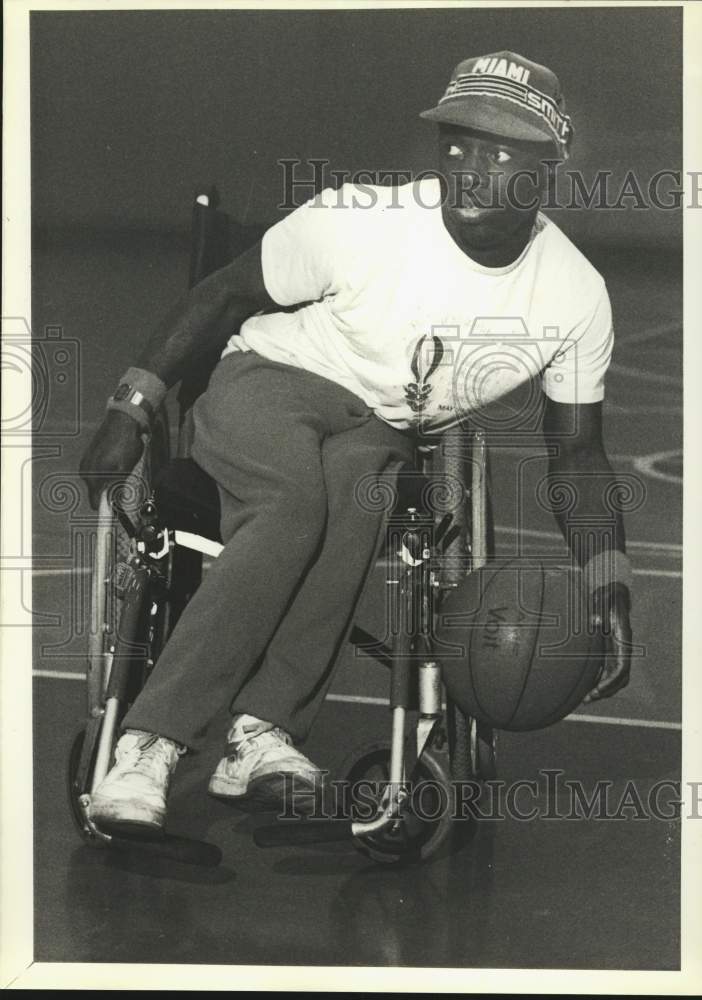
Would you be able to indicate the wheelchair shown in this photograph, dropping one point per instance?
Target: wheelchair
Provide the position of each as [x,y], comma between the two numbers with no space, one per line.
[153,539]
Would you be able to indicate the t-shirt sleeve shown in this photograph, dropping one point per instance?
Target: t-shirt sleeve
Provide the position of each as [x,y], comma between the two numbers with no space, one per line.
[576,373]
[300,254]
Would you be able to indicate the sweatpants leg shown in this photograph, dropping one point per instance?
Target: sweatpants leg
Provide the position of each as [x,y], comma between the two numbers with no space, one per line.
[259,431]
[297,668]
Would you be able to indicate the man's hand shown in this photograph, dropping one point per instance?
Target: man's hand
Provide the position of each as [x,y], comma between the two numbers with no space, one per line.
[610,612]
[111,455]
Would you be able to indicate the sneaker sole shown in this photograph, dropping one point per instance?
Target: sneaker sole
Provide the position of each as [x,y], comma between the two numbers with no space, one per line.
[139,824]
[268,793]
[131,829]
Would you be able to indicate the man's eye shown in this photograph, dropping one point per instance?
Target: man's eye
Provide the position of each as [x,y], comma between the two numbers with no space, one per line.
[500,156]
[455,151]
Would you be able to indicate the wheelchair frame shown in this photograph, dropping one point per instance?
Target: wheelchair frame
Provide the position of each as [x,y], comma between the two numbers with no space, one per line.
[134,585]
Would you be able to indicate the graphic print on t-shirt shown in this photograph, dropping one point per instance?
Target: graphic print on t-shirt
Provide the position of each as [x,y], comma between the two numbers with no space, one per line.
[426,358]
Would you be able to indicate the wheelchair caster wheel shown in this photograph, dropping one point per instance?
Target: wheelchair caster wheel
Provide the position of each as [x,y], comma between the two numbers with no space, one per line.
[472,746]
[483,750]
[425,819]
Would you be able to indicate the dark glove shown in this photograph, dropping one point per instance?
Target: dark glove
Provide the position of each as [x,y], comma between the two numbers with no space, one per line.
[111,455]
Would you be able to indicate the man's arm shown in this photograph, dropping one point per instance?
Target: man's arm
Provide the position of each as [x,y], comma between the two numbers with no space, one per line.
[579,465]
[206,317]
[201,321]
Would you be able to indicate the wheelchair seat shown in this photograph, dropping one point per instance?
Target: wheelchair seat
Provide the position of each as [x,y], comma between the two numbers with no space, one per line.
[188,498]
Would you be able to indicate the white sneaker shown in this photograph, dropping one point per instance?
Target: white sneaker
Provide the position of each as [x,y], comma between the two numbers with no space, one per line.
[132,796]
[264,767]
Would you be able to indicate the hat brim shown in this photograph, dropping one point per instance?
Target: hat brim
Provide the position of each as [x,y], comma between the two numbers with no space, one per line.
[493,115]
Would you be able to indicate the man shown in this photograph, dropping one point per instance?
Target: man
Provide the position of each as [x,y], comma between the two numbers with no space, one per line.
[342,354]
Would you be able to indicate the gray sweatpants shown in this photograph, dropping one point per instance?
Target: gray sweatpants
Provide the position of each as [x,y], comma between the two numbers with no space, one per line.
[262,633]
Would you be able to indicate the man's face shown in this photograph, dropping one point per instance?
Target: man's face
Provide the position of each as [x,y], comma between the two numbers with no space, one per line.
[492,187]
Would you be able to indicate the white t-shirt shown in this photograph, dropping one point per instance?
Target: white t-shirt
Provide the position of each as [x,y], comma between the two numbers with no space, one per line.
[390,308]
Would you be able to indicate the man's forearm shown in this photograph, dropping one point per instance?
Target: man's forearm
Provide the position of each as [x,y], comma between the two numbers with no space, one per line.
[584,491]
[582,486]
[201,321]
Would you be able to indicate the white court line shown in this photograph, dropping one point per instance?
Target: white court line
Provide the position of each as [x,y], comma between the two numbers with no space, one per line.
[542,551]
[670,574]
[646,376]
[77,570]
[662,330]
[669,548]
[59,675]
[646,465]
[672,549]
[360,699]
[617,408]
[604,719]
[609,720]
[538,451]
[643,464]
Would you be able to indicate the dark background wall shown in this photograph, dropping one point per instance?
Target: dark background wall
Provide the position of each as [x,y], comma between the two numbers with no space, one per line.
[132,110]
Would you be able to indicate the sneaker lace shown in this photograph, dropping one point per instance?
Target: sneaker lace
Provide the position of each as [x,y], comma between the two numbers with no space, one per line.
[253,733]
[150,757]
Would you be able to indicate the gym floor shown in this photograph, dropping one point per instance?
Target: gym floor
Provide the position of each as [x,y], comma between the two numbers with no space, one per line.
[557,894]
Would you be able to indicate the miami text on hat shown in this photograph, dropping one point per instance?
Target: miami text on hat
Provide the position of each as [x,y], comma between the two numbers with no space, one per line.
[491,76]
[501,67]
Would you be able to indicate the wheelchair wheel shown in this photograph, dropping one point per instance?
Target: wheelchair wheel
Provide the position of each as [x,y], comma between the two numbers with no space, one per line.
[472,746]
[484,750]
[74,792]
[111,548]
[426,819]
[458,728]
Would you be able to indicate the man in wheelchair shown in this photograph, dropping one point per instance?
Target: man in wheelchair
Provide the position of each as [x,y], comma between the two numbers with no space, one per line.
[365,316]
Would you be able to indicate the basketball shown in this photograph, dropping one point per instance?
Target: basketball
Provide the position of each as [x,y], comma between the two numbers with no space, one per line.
[516,647]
